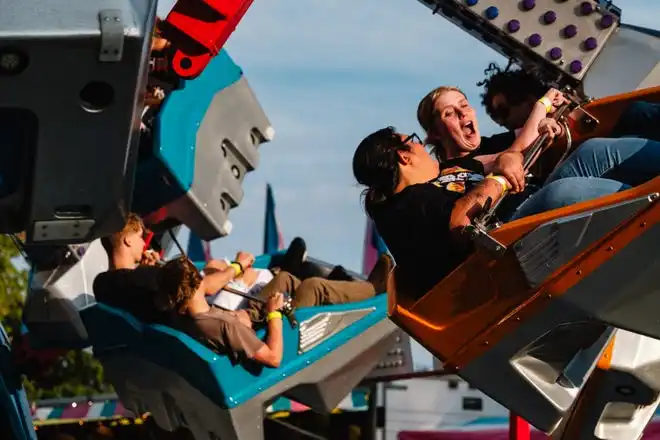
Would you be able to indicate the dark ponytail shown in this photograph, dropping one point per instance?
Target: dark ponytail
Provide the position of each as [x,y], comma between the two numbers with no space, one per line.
[376,166]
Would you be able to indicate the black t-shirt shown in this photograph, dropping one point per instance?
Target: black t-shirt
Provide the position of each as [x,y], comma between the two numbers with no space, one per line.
[415,222]
[132,290]
[415,226]
[496,143]
[489,145]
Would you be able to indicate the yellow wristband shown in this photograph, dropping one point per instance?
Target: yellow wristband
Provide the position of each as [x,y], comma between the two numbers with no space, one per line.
[546,103]
[237,268]
[501,180]
[273,315]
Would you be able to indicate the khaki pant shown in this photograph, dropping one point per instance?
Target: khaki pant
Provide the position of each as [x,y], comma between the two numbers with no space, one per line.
[312,292]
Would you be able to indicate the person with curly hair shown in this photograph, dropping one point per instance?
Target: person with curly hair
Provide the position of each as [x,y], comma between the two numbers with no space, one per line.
[183,291]
[510,94]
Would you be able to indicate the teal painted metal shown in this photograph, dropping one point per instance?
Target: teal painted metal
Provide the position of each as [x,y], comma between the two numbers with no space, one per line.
[228,385]
[13,401]
[182,113]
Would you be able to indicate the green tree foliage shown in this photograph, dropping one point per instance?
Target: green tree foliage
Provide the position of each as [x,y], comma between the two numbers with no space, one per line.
[75,373]
[13,283]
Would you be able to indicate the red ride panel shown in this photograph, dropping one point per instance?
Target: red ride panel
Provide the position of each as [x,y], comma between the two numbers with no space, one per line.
[205,29]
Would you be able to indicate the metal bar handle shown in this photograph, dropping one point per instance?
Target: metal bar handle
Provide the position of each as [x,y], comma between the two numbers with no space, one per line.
[529,158]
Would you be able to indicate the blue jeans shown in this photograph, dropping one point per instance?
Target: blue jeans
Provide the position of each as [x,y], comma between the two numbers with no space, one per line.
[639,119]
[600,167]
[567,191]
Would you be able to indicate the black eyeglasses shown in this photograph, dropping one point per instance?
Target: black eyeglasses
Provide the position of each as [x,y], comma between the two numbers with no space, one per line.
[412,138]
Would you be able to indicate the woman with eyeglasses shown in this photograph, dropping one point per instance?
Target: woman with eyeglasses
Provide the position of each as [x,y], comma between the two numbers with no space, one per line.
[421,210]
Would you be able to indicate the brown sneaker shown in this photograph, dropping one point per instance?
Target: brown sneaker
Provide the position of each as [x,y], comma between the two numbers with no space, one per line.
[378,276]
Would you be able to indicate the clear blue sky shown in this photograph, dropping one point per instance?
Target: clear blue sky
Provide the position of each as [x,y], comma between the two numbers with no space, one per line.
[328,73]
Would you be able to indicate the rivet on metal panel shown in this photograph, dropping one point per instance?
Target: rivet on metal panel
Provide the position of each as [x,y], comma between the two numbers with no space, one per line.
[578,272]
[548,296]
[610,249]
[486,342]
[642,225]
[517,318]
[112,35]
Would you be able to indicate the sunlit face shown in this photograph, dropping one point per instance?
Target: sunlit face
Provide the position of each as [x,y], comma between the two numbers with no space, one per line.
[135,242]
[509,115]
[418,159]
[455,123]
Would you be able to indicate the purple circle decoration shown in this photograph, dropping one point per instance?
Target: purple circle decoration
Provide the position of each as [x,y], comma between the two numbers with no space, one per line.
[590,43]
[586,8]
[528,5]
[549,17]
[555,53]
[535,40]
[575,66]
[513,26]
[570,31]
[606,21]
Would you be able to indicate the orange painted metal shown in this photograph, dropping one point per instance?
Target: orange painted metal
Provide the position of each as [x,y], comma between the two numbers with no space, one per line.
[607,111]
[606,358]
[486,297]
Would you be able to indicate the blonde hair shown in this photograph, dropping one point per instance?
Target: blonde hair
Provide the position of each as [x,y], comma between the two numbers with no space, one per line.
[426,107]
[133,224]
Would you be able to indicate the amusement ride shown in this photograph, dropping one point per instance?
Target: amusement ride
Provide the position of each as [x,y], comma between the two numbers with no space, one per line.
[171,133]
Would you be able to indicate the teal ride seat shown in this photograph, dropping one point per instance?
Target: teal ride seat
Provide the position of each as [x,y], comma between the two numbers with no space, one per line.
[183,383]
[15,415]
[205,140]
[110,329]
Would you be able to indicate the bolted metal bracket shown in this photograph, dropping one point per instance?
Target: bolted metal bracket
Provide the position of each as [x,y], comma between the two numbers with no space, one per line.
[59,230]
[112,35]
[482,239]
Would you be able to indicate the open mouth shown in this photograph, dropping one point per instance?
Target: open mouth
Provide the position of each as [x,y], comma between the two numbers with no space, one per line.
[468,128]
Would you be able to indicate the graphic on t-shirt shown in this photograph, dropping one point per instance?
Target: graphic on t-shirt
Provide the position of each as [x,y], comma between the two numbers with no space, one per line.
[457,179]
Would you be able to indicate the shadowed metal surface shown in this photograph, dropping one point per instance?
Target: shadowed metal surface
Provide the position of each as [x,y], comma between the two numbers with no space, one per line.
[179,378]
[623,397]
[97,97]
